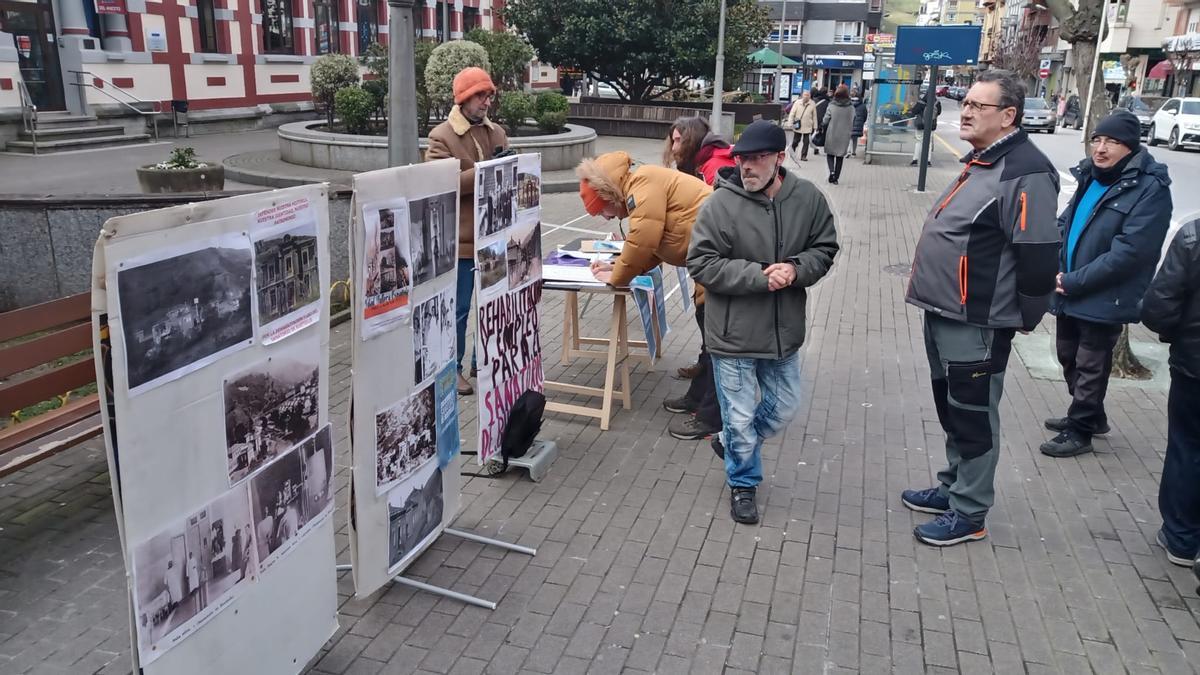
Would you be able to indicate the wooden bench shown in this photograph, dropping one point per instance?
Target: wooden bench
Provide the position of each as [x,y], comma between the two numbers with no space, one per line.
[34,338]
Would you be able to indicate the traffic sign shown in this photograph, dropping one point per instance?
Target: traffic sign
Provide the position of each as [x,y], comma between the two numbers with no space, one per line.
[1044,69]
[956,45]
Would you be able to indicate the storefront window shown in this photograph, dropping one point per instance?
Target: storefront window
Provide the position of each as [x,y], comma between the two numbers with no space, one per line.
[277,27]
[325,18]
[366,13]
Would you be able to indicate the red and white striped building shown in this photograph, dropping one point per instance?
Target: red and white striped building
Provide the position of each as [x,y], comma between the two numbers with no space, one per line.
[213,53]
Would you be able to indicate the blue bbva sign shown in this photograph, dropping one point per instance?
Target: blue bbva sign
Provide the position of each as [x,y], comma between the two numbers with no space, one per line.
[937,45]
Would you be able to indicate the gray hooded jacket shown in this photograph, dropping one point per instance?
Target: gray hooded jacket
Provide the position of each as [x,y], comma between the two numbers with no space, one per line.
[737,235]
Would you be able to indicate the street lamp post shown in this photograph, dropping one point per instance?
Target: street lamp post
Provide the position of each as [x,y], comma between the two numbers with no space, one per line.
[719,77]
[779,64]
[402,86]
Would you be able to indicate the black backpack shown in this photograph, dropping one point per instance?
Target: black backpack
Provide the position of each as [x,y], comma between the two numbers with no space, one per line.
[524,423]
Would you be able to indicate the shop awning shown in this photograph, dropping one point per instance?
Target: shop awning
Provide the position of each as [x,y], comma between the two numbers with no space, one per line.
[770,57]
[1160,71]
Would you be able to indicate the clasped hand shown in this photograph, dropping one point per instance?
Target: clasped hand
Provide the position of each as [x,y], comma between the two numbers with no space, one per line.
[780,275]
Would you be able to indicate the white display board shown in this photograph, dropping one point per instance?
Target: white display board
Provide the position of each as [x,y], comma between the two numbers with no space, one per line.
[213,343]
[508,290]
[404,424]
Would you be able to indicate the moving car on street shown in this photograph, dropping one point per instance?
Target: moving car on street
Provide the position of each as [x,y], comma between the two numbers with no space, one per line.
[1178,123]
[1039,116]
[1143,107]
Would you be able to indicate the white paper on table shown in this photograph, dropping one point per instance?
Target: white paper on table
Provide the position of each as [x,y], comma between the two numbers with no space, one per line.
[570,274]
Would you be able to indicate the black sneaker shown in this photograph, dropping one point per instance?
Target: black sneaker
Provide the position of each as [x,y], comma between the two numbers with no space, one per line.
[1173,558]
[1066,444]
[742,506]
[913,163]
[679,405]
[718,447]
[690,428]
[1060,424]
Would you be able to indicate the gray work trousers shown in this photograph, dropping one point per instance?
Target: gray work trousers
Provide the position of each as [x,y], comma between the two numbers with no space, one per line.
[967,365]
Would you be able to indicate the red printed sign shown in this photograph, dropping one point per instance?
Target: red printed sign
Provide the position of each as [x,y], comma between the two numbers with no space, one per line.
[110,6]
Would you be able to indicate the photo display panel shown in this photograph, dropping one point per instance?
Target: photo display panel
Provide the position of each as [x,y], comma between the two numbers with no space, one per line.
[213,325]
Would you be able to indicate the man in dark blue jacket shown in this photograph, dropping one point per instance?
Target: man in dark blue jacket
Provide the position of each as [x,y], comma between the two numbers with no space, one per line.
[1112,232]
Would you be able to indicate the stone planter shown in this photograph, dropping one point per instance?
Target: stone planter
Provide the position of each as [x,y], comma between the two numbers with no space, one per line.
[301,143]
[204,178]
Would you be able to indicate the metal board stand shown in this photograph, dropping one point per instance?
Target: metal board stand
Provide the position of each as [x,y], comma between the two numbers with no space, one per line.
[446,592]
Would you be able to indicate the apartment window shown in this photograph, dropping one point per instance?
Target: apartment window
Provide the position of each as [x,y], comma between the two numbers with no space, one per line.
[470,19]
[206,16]
[848,32]
[875,6]
[277,27]
[1193,22]
[791,32]
[366,13]
[325,18]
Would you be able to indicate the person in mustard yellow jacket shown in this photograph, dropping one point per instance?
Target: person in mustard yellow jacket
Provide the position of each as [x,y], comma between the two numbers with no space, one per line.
[661,205]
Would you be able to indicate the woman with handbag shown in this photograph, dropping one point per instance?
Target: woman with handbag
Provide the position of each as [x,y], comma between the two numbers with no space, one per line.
[803,121]
[837,123]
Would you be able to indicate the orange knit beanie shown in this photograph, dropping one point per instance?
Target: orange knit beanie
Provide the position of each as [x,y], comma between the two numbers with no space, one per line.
[471,81]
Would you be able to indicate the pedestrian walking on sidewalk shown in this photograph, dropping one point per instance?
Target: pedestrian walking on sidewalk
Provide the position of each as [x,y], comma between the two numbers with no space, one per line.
[1171,308]
[761,239]
[700,414]
[918,119]
[984,267]
[821,98]
[468,136]
[860,122]
[662,205]
[1112,233]
[802,119]
[838,121]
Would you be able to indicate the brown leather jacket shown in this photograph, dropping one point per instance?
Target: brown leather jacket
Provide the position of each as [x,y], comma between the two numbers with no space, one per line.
[468,143]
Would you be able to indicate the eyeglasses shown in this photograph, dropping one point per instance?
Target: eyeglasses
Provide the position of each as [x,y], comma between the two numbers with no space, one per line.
[976,106]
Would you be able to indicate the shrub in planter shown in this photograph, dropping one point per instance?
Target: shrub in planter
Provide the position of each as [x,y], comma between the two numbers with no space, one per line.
[515,107]
[552,121]
[447,60]
[354,107]
[181,172]
[330,74]
[551,101]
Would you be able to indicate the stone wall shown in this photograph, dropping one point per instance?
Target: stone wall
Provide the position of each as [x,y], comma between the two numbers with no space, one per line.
[46,242]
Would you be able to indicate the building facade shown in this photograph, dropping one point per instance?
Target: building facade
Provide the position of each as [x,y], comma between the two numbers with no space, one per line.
[72,54]
[826,36]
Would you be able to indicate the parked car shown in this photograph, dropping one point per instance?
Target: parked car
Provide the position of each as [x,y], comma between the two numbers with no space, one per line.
[605,90]
[1177,122]
[1143,107]
[958,93]
[1039,116]
[943,90]
[1073,114]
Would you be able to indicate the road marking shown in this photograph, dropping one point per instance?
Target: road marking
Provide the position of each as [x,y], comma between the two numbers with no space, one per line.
[946,144]
[567,226]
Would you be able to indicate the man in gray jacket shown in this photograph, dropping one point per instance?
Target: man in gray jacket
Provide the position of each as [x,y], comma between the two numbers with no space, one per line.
[760,240]
[984,267]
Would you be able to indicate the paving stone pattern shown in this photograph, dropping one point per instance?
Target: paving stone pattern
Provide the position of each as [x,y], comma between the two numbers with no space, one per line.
[639,567]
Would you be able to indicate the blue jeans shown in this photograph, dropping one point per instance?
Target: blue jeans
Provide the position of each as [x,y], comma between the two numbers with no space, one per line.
[462,306]
[747,421]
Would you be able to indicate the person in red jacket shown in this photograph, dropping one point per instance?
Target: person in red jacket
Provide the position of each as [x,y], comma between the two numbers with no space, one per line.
[692,148]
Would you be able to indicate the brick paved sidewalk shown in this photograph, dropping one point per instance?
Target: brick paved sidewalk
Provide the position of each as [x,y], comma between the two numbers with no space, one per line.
[639,567]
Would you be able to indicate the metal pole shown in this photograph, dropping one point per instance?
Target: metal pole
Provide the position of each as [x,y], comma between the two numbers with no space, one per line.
[471,536]
[402,88]
[779,65]
[437,590]
[719,77]
[1087,107]
[446,21]
[927,137]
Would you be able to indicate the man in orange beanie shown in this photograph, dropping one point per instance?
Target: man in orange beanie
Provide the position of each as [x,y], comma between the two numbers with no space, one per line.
[468,136]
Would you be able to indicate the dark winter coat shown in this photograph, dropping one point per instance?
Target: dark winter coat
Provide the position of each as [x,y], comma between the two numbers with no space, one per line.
[860,119]
[1171,307]
[838,120]
[736,236]
[1115,256]
[822,106]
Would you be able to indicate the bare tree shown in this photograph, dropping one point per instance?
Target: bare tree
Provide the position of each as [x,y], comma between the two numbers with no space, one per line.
[1020,51]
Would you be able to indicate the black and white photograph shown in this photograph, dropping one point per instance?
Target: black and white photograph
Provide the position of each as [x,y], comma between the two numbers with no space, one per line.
[184,574]
[316,456]
[287,281]
[414,513]
[433,237]
[433,335]
[387,275]
[529,190]
[271,406]
[495,196]
[406,438]
[275,503]
[183,312]
[492,261]
[524,255]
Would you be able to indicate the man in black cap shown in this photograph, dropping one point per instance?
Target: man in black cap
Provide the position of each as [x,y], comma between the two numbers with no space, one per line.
[761,239]
[1112,233]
